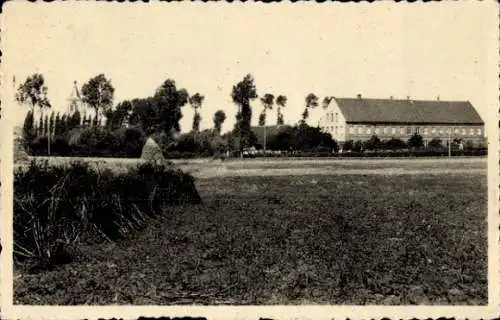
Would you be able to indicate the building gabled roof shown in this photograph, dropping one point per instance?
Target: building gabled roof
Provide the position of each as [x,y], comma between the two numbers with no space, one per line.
[361,110]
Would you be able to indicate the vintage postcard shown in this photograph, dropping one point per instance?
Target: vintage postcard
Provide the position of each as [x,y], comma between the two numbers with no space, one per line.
[250,160]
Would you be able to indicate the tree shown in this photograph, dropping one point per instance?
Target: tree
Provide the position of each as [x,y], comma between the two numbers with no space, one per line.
[219,118]
[95,121]
[33,92]
[28,130]
[167,103]
[244,92]
[46,128]
[436,143]
[348,145]
[394,144]
[51,123]
[75,120]
[358,146]
[326,102]
[117,117]
[267,101]
[58,125]
[98,94]
[196,100]
[311,102]
[281,103]
[40,126]
[373,143]
[416,141]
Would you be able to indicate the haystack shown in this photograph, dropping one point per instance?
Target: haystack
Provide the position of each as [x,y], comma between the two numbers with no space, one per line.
[152,151]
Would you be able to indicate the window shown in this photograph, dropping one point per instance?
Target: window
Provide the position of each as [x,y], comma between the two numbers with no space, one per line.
[478,131]
[457,131]
[368,130]
[441,131]
[336,117]
[448,131]
[464,131]
[417,130]
[434,130]
[386,130]
[393,130]
[360,130]
[377,130]
[408,130]
[471,131]
[402,130]
[352,130]
[426,131]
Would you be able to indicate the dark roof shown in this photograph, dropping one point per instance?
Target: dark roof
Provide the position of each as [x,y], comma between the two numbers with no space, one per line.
[270,130]
[408,111]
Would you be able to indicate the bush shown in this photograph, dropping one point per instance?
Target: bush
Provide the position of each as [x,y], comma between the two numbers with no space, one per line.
[55,207]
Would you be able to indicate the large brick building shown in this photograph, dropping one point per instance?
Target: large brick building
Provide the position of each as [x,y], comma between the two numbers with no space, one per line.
[360,118]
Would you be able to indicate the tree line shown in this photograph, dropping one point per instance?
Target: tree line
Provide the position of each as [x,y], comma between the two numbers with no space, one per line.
[155,116]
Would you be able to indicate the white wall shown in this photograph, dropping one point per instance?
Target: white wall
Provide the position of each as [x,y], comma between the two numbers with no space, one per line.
[336,126]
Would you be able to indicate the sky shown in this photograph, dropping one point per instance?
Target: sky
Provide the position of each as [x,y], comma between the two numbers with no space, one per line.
[421,50]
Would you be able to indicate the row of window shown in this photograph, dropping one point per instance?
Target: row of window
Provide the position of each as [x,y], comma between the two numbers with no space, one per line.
[332,117]
[411,130]
[333,129]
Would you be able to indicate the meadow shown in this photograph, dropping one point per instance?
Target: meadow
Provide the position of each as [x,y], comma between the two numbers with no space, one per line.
[294,232]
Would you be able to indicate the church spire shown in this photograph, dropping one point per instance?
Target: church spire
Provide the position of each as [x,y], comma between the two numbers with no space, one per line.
[75,100]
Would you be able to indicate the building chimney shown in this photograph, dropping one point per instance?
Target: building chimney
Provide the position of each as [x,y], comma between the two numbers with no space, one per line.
[408,98]
[392,98]
[359,96]
[438,98]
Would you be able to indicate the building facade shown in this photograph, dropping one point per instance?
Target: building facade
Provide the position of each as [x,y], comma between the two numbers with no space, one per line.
[359,119]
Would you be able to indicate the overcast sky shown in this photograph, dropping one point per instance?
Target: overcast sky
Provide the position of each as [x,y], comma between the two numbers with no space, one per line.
[335,49]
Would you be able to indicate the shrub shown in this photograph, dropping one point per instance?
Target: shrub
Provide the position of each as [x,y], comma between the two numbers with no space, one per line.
[394,144]
[55,207]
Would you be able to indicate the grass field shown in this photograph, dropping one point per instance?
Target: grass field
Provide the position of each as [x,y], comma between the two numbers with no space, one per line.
[323,232]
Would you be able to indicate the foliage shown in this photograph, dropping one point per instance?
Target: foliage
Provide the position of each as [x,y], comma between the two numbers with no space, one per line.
[196,100]
[244,92]
[358,146]
[311,102]
[119,115]
[33,92]
[301,137]
[267,102]
[219,118]
[326,102]
[435,143]
[416,141]
[348,145]
[373,143]
[98,93]
[393,144]
[28,130]
[281,103]
[58,206]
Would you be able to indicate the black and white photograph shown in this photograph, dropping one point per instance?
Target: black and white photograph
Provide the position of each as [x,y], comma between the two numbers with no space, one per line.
[225,154]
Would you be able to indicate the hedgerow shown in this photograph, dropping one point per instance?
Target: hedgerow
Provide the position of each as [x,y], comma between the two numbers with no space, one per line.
[57,207]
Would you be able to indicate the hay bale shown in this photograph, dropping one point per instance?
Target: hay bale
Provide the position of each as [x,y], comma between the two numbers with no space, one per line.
[152,151]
